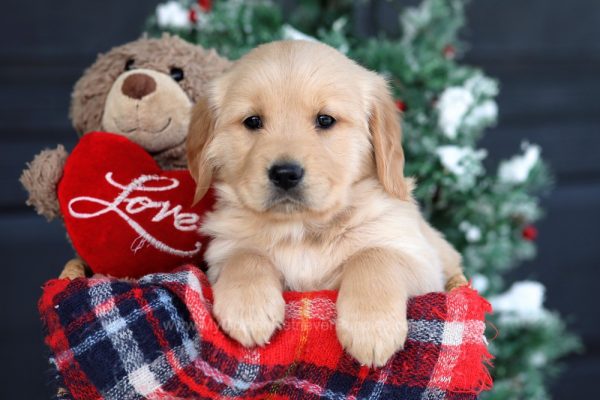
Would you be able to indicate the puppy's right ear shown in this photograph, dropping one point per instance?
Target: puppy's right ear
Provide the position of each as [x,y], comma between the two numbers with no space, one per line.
[200,135]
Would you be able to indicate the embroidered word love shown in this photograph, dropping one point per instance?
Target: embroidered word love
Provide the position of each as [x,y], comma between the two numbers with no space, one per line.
[182,221]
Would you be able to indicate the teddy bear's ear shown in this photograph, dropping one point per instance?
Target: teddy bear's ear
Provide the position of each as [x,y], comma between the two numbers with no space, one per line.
[199,137]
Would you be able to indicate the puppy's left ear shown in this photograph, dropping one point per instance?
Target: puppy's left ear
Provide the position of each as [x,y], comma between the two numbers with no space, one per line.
[200,135]
[386,137]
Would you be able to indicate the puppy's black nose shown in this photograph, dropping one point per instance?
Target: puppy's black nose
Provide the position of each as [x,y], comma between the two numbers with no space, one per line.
[286,176]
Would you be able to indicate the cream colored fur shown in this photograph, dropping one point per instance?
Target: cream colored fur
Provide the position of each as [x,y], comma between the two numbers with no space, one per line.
[356,229]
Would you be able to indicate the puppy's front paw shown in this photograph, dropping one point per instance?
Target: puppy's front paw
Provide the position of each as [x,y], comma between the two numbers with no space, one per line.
[371,333]
[249,314]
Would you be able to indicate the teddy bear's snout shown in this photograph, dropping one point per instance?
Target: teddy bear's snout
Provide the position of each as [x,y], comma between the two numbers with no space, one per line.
[137,86]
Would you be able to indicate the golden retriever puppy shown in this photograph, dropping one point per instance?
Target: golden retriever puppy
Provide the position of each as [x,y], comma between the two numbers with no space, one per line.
[303,147]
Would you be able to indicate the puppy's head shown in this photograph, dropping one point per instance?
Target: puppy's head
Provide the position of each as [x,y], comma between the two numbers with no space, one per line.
[291,127]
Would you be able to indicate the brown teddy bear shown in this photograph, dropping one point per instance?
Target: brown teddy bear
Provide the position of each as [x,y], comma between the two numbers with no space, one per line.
[143,90]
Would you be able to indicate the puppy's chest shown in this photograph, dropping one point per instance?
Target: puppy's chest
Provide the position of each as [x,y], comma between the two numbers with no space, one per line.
[308,266]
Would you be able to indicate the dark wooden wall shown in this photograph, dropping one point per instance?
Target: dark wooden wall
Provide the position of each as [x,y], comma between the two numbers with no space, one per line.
[545,52]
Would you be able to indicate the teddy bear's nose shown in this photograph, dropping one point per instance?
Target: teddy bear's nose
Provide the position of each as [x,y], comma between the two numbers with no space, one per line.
[138,85]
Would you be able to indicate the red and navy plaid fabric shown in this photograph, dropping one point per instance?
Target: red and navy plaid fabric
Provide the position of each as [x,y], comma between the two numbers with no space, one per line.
[155,338]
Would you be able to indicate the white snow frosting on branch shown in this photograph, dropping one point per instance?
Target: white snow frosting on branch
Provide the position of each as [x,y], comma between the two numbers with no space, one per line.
[482,113]
[472,232]
[462,162]
[481,85]
[172,14]
[480,282]
[290,33]
[518,168]
[523,302]
[456,159]
[415,19]
[453,105]
[468,106]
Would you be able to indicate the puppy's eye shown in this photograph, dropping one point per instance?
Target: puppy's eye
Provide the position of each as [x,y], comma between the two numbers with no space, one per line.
[176,74]
[325,121]
[129,64]
[253,123]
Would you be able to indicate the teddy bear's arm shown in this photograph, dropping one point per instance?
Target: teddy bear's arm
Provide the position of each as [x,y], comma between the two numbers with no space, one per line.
[40,179]
[73,269]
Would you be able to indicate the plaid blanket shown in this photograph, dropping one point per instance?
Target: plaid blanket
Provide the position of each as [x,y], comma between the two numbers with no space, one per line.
[155,338]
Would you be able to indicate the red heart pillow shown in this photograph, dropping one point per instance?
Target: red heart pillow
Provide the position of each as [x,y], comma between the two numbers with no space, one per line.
[126,216]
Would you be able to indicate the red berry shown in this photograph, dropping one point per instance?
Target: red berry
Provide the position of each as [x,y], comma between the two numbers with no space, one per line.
[530,233]
[205,5]
[449,51]
[400,105]
[193,17]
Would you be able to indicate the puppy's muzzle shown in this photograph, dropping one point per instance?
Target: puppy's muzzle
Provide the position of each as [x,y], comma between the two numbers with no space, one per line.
[286,175]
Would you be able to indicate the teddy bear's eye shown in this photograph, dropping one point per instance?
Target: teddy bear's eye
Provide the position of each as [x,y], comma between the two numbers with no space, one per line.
[129,64]
[176,74]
